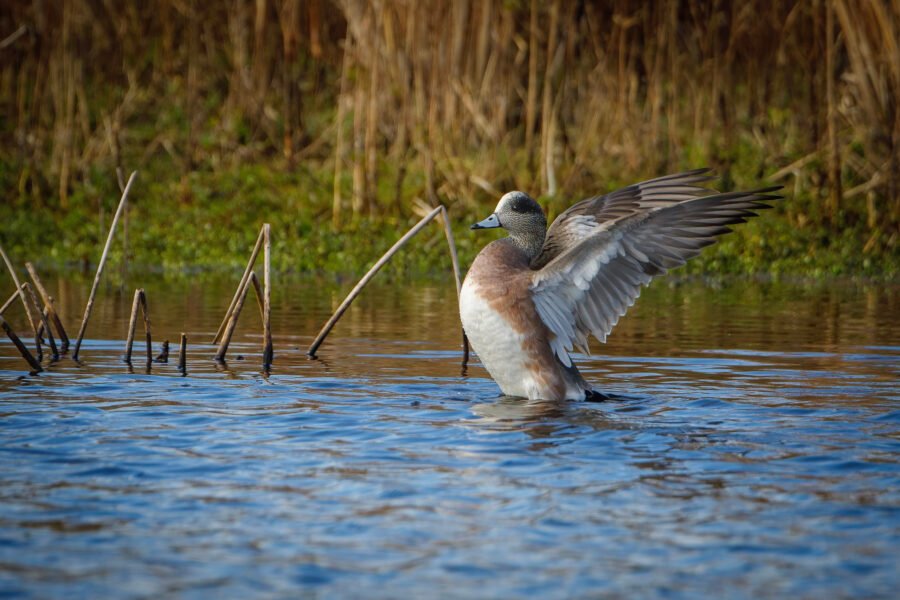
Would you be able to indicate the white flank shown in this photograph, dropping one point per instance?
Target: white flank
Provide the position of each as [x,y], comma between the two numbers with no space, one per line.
[497,344]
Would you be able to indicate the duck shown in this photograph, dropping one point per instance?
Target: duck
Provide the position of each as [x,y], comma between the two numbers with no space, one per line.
[533,298]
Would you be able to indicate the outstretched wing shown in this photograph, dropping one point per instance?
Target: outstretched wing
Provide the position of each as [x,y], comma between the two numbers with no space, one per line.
[589,216]
[584,290]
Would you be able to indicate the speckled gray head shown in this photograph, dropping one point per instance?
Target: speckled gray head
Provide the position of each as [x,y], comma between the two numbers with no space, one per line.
[516,211]
[523,218]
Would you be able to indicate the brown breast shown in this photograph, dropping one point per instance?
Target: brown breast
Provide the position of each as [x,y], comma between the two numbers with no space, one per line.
[503,280]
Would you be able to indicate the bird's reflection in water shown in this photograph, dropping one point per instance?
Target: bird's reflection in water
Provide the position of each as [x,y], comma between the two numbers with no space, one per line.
[508,413]
[543,418]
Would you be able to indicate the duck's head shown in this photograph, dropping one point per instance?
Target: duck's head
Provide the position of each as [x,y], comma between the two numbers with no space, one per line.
[524,219]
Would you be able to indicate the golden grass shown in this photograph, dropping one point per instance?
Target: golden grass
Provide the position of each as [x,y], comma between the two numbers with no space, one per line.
[554,97]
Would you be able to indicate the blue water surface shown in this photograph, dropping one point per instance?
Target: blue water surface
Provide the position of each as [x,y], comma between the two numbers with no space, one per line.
[752,449]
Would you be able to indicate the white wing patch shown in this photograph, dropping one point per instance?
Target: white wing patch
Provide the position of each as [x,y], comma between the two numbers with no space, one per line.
[586,289]
[558,293]
[581,226]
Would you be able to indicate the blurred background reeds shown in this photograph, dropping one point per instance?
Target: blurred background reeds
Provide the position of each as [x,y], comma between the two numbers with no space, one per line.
[352,116]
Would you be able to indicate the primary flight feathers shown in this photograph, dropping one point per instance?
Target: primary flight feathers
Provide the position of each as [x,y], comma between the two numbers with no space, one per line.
[599,252]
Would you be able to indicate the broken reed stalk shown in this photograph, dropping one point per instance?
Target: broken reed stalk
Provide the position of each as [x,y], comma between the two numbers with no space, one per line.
[242,284]
[368,277]
[163,356]
[15,35]
[129,341]
[51,307]
[232,322]
[9,302]
[45,326]
[147,328]
[21,292]
[182,356]
[112,230]
[259,294]
[454,259]
[834,150]
[268,351]
[32,362]
[263,297]
[139,302]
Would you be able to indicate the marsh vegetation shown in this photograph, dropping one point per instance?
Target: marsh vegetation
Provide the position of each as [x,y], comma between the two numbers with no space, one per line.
[339,122]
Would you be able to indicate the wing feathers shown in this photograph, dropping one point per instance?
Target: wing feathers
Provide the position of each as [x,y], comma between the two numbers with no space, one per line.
[587,286]
[589,216]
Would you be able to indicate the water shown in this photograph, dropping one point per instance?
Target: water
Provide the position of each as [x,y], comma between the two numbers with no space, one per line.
[753,452]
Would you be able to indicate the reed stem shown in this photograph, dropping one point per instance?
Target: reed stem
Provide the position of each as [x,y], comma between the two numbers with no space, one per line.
[232,323]
[9,302]
[20,290]
[139,303]
[241,285]
[368,277]
[268,351]
[182,355]
[257,287]
[112,230]
[132,322]
[146,314]
[163,356]
[834,151]
[454,259]
[45,326]
[51,307]
[32,362]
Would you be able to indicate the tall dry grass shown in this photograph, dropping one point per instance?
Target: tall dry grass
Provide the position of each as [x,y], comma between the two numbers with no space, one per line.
[474,97]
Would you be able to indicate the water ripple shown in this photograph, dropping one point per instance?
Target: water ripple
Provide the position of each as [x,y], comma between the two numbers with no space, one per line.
[758,462]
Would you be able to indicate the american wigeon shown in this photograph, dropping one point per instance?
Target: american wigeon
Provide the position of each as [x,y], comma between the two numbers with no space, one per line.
[531,297]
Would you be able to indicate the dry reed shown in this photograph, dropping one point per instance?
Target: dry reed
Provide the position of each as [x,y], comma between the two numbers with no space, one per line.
[139,303]
[241,289]
[51,307]
[45,326]
[9,302]
[29,358]
[182,355]
[461,91]
[20,290]
[357,289]
[263,296]
[112,230]
[268,351]
[163,356]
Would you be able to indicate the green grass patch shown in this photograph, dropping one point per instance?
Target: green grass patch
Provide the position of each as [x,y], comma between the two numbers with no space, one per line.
[208,220]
